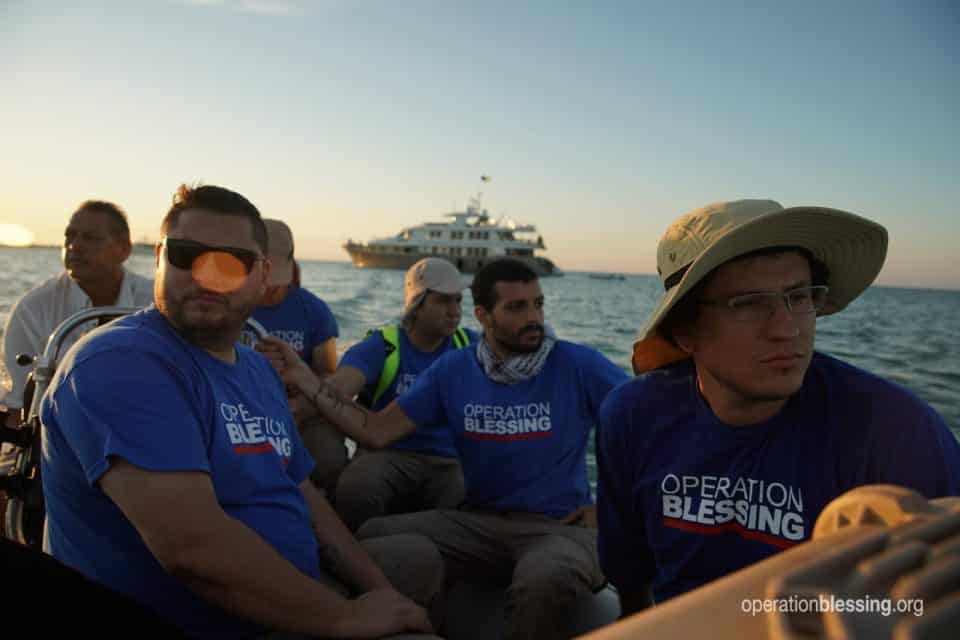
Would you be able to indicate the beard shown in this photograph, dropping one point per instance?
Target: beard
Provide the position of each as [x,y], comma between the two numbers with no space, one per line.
[514,342]
[209,335]
[750,390]
[214,329]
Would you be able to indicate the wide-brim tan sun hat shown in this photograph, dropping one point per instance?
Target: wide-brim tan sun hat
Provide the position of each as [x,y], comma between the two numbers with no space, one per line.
[853,248]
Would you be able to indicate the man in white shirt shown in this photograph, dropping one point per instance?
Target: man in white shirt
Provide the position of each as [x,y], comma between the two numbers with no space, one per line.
[96,243]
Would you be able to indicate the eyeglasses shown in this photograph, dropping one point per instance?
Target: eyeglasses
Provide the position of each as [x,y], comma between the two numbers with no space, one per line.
[760,307]
[183,253]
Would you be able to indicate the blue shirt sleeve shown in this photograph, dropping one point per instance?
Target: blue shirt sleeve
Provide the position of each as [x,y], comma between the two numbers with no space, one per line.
[598,376]
[621,540]
[423,402]
[147,414]
[367,356]
[301,462]
[323,325]
[918,451]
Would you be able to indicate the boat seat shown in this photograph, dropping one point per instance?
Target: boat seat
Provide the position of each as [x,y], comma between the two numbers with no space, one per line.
[21,490]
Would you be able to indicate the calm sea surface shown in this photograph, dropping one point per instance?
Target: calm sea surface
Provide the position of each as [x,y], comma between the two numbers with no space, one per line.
[911,336]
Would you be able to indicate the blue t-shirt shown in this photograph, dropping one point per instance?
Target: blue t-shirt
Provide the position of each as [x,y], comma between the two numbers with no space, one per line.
[684,498]
[137,390]
[302,320]
[522,446]
[368,357]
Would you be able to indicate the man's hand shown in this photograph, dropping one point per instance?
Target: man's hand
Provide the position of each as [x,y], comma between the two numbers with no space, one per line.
[585,516]
[287,363]
[384,612]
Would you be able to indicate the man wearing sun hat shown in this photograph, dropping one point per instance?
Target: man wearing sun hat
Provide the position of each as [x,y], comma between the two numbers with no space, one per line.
[305,322]
[420,471]
[736,433]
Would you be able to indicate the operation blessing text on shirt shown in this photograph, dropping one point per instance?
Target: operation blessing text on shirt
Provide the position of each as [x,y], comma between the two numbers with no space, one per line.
[770,511]
[255,434]
[516,421]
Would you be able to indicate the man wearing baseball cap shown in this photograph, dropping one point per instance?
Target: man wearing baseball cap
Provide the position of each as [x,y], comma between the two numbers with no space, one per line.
[736,433]
[421,470]
[291,312]
[305,322]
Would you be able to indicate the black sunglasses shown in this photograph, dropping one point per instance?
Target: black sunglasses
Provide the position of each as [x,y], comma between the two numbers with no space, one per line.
[182,253]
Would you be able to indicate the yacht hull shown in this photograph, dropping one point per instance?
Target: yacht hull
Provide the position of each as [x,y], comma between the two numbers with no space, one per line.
[363,258]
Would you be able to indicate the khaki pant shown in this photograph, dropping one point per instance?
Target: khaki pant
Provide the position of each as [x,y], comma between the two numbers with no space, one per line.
[380,483]
[414,568]
[548,565]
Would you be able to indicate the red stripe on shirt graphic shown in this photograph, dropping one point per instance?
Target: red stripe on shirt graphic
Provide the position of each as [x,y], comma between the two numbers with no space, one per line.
[518,436]
[263,447]
[732,527]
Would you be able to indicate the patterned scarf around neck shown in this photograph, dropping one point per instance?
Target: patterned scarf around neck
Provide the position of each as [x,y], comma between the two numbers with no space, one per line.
[516,368]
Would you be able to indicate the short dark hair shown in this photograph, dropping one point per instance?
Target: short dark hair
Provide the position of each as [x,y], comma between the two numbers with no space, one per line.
[484,286]
[686,309]
[118,219]
[218,200]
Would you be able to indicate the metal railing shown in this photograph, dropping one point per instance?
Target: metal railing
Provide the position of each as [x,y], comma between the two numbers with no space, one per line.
[22,482]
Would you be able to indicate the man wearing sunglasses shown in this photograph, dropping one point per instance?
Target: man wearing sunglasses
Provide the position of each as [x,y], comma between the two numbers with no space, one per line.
[96,243]
[173,471]
[736,433]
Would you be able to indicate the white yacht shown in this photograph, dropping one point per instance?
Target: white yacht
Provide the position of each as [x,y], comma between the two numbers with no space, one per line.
[470,239]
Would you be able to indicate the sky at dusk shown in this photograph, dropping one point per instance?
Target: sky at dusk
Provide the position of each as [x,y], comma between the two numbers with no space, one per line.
[598,122]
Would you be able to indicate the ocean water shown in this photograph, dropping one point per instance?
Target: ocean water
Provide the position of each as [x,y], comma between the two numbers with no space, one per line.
[911,336]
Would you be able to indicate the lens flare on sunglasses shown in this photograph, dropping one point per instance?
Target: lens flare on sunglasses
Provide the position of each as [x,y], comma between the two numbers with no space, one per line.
[219,271]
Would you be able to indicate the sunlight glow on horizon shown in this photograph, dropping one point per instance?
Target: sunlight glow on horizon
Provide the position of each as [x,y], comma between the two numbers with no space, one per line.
[15,235]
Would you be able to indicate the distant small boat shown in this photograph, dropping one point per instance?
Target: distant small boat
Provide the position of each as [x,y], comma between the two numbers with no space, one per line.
[607,276]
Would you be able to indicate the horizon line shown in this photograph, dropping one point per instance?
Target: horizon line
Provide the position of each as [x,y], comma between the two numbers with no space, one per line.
[565,271]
